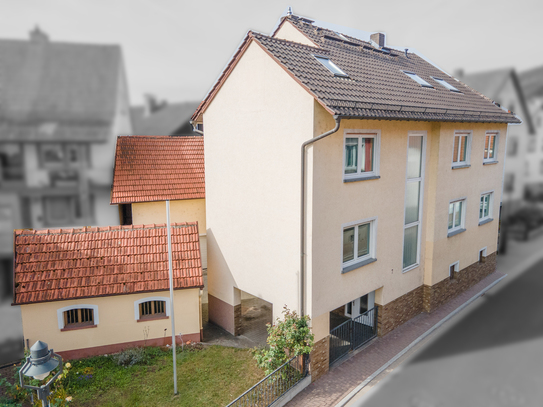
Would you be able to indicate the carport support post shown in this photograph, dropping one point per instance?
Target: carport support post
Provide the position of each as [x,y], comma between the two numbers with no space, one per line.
[170,272]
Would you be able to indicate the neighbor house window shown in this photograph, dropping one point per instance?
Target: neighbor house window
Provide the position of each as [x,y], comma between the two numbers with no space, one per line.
[509,182]
[512,147]
[358,244]
[531,144]
[63,210]
[491,147]
[11,162]
[485,207]
[413,200]
[77,316]
[457,211]
[63,155]
[151,308]
[361,155]
[461,149]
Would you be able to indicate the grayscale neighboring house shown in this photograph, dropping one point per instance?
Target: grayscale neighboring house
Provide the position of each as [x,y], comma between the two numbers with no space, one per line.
[503,87]
[62,106]
[160,118]
[532,86]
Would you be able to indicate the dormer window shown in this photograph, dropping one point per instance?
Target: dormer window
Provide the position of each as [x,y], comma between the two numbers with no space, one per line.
[331,66]
[445,84]
[418,79]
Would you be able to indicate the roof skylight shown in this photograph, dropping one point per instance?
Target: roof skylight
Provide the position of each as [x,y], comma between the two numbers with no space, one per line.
[418,79]
[445,84]
[340,35]
[331,66]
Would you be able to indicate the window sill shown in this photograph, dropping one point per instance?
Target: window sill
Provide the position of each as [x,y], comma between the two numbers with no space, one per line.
[457,167]
[361,178]
[414,266]
[490,162]
[145,319]
[455,232]
[75,328]
[485,221]
[354,266]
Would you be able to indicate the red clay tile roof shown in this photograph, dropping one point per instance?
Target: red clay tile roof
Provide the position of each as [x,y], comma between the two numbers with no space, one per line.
[62,264]
[158,168]
[376,87]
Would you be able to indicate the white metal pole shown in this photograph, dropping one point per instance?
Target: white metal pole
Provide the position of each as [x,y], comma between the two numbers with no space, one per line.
[172,317]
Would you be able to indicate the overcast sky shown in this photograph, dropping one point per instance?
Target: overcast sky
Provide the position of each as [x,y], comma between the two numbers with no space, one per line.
[176,49]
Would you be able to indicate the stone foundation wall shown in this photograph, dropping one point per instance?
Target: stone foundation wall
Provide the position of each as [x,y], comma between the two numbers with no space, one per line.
[237,320]
[444,291]
[320,358]
[402,309]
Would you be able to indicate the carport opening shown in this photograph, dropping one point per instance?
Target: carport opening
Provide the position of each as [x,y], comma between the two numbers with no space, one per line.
[255,314]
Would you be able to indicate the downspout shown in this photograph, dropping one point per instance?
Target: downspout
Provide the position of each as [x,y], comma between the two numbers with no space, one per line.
[302,213]
[194,129]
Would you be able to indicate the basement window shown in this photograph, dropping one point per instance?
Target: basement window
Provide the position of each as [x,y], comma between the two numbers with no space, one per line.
[331,66]
[418,79]
[77,317]
[445,84]
[151,308]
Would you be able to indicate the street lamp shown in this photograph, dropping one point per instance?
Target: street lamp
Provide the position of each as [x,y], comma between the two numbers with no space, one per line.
[38,365]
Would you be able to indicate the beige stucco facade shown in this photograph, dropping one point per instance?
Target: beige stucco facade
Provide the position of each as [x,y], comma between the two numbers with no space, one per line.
[255,126]
[186,210]
[117,323]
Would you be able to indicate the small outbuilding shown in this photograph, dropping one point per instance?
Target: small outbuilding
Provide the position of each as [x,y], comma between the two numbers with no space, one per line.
[98,290]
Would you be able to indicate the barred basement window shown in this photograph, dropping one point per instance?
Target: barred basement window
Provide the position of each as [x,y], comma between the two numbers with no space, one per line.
[152,309]
[80,317]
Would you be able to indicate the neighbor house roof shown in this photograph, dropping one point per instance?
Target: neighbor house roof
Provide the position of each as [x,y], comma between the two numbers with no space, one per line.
[171,119]
[376,86]
[532,82]
[491,84]
[62,264]
[56,90]
[158,168]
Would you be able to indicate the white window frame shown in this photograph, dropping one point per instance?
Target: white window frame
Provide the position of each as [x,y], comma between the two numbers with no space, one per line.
[60,313]
[138,302]
[333,68]
[445,84]
[490,205]
[421,196]
[418,79]
[456,266]
[465,163]
[346,266]
[360,134]
[495,133]
[462,214]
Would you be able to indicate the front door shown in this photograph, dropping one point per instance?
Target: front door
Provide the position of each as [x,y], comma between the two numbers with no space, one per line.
[360,306]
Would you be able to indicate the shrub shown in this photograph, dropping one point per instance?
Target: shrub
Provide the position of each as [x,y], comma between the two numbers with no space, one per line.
[130,357]
[287,338]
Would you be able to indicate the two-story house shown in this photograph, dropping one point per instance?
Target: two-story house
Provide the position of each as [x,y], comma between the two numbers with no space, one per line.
[343,174]
[503,87]
[532,85]
[149,170]
[61,107]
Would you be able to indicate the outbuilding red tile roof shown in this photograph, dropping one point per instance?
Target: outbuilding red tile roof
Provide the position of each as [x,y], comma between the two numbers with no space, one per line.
[158,168]
[376,86]
[62,264]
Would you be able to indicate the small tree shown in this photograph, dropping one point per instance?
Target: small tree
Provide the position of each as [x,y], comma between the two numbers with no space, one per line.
[286,339]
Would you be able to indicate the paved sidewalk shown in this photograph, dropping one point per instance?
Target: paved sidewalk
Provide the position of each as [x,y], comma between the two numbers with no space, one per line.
[343,379]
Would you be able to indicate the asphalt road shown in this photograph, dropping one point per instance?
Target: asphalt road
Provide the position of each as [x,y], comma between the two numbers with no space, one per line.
[489,355]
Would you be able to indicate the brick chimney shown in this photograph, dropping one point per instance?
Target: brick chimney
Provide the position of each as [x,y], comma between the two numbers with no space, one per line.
[378,38]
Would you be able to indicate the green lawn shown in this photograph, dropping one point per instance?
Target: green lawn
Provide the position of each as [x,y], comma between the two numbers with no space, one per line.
[206,376]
